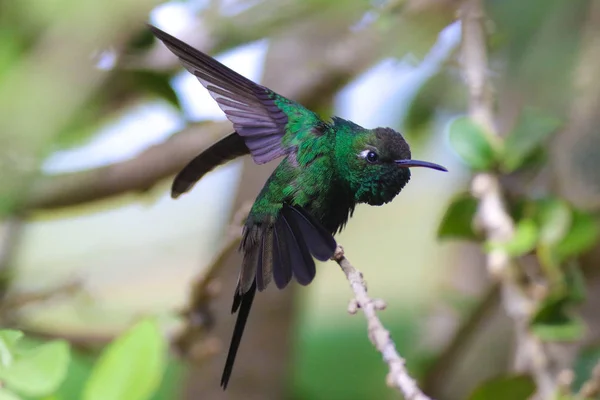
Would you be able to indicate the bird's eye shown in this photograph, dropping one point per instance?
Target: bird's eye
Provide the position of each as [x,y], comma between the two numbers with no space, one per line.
[372,157]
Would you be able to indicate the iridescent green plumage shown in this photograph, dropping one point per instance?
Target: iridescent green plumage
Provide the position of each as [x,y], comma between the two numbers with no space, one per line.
[327,168]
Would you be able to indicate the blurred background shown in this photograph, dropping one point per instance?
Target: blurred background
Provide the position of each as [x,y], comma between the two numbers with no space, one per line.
[96,117]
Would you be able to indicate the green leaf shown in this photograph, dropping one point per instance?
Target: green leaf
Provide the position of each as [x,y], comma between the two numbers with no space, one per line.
[554,218]
[585,362]
[524,240]
[131,367]
[517,387]
[472,144]
[8,343]
[458,219]
[533,128]
[581,236]
[552,321]
[566,331]
[5,394]
[38,371]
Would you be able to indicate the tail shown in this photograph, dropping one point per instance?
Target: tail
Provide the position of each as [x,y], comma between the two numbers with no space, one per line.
[279,251]
[243,302]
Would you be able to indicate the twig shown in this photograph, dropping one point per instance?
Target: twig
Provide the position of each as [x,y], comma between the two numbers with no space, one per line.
[398,376]
[13,302]
[492,215]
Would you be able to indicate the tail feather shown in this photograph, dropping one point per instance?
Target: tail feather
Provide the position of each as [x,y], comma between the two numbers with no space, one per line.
[264,270]
[282,266]
[302,263]
[279,251]
[243,302]
[320,242]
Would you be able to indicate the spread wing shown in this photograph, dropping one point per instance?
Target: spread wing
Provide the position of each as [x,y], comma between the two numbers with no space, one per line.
[259,115]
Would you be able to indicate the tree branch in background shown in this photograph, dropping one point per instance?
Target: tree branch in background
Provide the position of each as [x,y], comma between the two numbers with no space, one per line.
[198,318]
[398,376]
[10,236]
[461,339]
[492,215]
[137,174]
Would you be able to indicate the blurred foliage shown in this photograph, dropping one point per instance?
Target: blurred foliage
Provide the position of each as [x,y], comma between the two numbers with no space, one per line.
[587,359]
[472,144]
[457,222]
[528,136]
[534,50]
[131,367]
[504,388]
[31,371]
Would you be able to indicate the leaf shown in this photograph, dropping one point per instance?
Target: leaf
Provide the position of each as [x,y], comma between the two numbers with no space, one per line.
[585,362]
[38,371]
[517,387]
[8,343]
[458,218]
[533,128]
[8,395]
[569,330]
[522,242]
[131,367]
[581,236]
[554,218]
[472,144]
[552,321]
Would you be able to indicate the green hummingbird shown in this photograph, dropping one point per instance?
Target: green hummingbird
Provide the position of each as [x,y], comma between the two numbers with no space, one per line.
[327,169]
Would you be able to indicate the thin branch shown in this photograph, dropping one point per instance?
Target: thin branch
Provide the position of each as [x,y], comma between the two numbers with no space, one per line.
[492,215]
[13,302]
[398,376]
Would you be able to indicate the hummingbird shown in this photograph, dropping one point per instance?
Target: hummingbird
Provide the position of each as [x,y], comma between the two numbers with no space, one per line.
[327,167]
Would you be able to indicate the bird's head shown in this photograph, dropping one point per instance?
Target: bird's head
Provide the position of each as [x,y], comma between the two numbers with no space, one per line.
[375,163]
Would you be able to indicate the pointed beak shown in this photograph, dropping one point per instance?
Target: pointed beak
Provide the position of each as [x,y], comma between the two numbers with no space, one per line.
[418,163]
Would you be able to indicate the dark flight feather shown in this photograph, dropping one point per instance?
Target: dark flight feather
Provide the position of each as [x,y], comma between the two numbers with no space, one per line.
[243,303]
[276,252]
[226,149]
[282,265]
[321,243]
[250,106]
[264,270]
[302,263]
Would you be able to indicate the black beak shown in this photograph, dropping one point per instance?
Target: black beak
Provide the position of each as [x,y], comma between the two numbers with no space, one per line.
[418,163]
